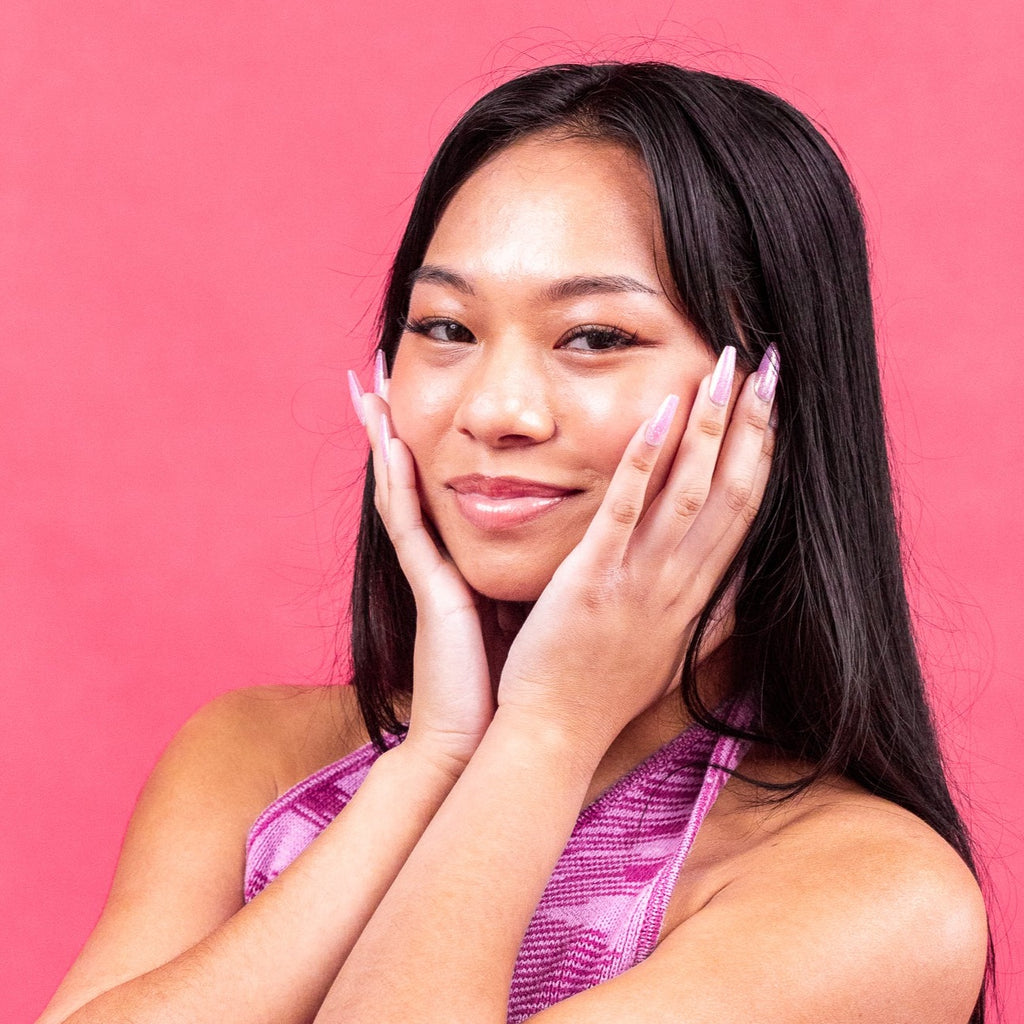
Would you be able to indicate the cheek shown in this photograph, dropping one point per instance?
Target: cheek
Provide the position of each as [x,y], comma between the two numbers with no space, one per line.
[610,421]
[419,405]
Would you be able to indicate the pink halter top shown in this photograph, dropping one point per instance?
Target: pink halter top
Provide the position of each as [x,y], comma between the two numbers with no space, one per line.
[603,907]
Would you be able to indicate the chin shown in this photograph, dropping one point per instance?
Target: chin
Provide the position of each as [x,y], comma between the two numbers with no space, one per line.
[507,590]
[512,583]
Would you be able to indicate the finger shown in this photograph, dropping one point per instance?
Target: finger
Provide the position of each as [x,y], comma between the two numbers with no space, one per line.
[355,392]
[689,479]
[397,495]
[612,527]
[741,525]
[741,474]
[416,550]
[375,412]
[359,403]
[381,381]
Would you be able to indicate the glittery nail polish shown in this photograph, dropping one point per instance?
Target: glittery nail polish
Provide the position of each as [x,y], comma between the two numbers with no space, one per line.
[380,373]
[767,374]
[721,379]
[356,394]
[657,429]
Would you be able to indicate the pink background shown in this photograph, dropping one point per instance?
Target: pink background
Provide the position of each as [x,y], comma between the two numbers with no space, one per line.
[198,202]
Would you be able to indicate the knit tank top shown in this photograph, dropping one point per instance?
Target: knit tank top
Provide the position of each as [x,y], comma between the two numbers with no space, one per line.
[604,904]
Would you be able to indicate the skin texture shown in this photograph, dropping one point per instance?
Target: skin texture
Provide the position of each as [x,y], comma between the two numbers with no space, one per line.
[531,692]
[526,397]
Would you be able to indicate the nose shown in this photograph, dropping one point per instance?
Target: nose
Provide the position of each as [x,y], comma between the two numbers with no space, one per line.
[506,400]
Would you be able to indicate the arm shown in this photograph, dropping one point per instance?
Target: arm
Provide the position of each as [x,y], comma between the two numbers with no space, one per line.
[782,940]
[854,910]
[174,941]
[443,943]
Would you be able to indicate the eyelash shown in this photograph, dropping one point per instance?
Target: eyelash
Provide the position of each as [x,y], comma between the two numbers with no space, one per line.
[612,338]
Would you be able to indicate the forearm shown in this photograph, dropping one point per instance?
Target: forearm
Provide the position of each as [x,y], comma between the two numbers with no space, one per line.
[275,959]
[443,943]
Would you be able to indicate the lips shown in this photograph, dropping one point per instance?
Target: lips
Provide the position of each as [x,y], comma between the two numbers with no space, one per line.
[503,503]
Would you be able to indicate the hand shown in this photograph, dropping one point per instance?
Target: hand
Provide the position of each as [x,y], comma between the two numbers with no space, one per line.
[607,637]
[452,698]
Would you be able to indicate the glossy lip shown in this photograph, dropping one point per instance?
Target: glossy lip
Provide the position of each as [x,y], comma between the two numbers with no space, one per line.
[504,502]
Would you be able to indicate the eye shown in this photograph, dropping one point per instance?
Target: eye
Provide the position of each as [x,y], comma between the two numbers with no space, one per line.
[439,329]
[595,338]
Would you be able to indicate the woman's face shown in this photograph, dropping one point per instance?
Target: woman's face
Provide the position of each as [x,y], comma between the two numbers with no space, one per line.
[540,336]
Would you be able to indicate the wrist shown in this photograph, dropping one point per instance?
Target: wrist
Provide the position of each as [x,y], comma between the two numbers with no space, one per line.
[432,759]
[570,742]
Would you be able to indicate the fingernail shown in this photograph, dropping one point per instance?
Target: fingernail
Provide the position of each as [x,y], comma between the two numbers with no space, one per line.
[657,429]
[380,372]
[767,374]
[356,394]
[385,439]
[721,379]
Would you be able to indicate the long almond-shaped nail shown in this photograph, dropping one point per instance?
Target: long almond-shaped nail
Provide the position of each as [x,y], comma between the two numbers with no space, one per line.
[380,373]
[385,439]
[657,429]
[767,374]
[721,379]
[356,394]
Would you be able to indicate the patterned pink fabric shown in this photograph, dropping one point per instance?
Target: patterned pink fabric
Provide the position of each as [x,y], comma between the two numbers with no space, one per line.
[603,907]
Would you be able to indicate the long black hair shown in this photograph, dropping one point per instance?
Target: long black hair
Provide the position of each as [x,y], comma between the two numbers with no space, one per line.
[765,243]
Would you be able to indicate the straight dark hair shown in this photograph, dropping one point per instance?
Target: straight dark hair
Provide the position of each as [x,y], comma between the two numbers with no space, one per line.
[765,243]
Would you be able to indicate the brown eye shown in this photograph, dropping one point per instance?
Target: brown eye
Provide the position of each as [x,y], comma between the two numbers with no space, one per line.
[439,330]
[598,339]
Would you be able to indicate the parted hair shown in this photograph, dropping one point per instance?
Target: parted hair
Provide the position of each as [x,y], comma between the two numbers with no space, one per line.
[765,243]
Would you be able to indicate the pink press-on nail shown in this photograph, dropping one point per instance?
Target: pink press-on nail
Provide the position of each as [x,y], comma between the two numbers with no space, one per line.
[721,379]
[385,439]
[767,374]
[356,394]
[657,429]
[380,373]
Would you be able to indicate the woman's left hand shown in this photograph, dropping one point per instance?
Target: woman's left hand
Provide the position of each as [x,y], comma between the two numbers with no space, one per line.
[608,634]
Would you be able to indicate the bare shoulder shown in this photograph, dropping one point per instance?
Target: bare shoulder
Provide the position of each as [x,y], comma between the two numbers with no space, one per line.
[271,736]
[181,869]
[848,894]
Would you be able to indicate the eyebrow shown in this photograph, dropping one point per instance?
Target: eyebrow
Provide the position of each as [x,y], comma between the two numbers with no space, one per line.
[568,288]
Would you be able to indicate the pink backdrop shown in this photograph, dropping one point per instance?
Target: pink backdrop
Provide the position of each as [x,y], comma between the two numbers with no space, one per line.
[198,203]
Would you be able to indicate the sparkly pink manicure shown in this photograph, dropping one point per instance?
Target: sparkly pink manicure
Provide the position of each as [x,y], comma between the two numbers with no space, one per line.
[385,439]
[721,379]
[356,394]
[767,374]
[380,373]
[657,429]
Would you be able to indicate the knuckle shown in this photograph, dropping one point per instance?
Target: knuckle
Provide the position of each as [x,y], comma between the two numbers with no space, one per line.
[737,495]
[601,590]
[757,416]
[686,504]
[643,461]
[711,426]
[624,511]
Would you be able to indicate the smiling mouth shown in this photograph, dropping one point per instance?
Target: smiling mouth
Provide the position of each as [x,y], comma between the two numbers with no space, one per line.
[503,503]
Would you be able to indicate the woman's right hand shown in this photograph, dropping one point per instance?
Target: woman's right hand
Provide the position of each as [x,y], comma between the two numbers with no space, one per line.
[453,699]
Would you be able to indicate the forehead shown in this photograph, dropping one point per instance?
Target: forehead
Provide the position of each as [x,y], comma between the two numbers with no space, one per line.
[552,207]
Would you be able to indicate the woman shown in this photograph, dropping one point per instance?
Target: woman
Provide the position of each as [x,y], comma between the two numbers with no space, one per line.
[628,546]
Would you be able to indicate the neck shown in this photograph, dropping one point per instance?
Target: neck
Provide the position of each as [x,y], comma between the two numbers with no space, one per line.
[666,718]
[500,622]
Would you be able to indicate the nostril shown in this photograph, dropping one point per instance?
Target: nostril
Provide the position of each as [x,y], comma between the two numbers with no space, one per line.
[505,417]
